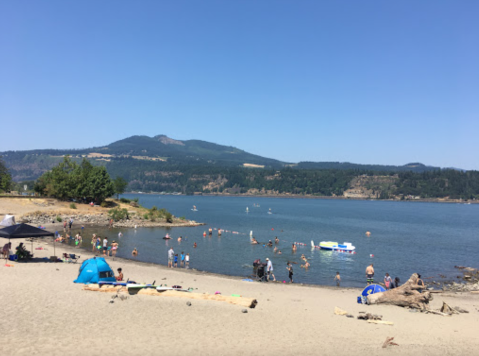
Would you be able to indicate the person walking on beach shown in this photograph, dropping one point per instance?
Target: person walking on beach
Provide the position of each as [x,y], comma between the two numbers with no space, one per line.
[176,261]
[187,260]
[269,269]
[337,278]
[70,223]
[388,281]
[370,274]
[64,226]
[289,267]
[171,257]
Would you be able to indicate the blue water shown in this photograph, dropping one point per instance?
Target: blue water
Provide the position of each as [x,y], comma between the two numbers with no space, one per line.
[406,237]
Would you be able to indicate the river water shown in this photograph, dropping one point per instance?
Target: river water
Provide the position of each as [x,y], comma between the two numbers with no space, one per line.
[406,237]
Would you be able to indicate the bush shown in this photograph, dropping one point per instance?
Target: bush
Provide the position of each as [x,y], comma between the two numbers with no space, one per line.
[118,214]
[104,204]
[145,216]
[125,200]
[59,218]
[73,206]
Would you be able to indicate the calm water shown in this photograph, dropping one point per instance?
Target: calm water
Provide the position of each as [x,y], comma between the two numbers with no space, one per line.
[428,238]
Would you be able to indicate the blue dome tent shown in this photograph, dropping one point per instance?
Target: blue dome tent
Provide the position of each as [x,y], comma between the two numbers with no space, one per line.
[94,270]
[371,289]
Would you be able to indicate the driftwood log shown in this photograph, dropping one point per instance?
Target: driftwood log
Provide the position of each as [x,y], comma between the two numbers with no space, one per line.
[406,295]
[245,302]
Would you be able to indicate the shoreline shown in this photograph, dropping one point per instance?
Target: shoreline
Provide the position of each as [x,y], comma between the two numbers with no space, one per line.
[325,197]
[297,319]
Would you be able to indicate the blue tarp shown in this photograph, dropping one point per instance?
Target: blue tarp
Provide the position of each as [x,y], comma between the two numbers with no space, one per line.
[371,289]
[94,270]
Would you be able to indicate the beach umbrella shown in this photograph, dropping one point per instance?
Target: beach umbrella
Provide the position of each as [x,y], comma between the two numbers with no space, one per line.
[371,289]
[21,231]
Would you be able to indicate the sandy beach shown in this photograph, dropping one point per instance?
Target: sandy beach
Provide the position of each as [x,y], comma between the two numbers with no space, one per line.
[44,312]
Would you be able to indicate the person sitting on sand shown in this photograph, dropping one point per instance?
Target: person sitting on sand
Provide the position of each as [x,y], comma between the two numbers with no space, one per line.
[253,241]
[134,253]
[22,252]
[120,275]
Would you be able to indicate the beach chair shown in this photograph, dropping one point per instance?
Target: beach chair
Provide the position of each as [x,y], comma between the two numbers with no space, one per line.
[70,257]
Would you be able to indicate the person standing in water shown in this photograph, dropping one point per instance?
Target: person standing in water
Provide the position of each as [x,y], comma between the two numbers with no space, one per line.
[370,274]
[269,269]
[171,257]
[337,278]
[114,247]
[289,267]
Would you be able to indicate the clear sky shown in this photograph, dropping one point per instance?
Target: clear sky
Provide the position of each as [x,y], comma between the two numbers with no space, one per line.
[384,82]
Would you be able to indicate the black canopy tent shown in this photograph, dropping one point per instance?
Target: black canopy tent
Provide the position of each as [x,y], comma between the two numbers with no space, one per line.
[21,231]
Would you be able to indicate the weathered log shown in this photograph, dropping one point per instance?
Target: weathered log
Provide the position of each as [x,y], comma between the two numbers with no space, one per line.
[406,295]
[381,322]
[106,288]
[245,302]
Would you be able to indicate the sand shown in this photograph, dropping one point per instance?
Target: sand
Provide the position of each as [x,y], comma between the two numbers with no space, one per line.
[45,313]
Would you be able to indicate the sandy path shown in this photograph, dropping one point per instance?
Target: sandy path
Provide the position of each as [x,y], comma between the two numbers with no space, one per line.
[46,313]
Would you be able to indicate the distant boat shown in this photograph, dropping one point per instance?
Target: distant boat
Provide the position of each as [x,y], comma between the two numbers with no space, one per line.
[194,208]
[334,246]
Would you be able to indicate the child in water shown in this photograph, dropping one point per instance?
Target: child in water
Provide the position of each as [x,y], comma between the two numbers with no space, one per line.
[337,278]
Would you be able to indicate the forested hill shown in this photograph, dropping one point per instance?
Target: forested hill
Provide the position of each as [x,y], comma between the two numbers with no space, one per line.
[147,156]
[410,167]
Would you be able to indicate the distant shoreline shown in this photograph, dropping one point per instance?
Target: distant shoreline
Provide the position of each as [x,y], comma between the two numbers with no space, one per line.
[297,196]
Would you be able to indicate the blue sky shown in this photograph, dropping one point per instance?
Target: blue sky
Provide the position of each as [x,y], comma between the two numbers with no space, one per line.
[384,82]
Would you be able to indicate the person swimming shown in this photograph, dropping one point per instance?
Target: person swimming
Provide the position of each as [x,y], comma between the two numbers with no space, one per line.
[134,253]
[253,241]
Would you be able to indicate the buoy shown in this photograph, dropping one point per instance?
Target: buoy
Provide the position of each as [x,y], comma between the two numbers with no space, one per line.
[371,255]
[272,228]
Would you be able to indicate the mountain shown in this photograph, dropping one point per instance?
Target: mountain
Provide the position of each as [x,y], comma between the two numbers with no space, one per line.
[412,167]
[150,156]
